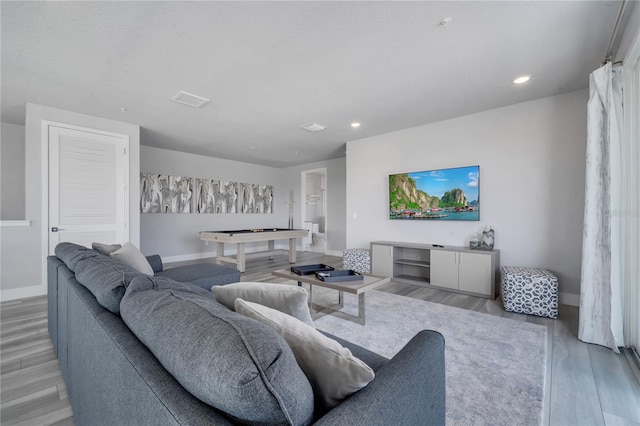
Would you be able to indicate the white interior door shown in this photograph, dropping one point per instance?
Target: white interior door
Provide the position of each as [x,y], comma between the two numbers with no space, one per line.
[88,195]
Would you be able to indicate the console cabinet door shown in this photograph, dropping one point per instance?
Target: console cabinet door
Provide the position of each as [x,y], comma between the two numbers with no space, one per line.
[382,260]
[444,269]
[475,273]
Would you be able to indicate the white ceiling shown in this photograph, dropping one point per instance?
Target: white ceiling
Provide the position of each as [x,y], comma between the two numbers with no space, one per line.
[269,67]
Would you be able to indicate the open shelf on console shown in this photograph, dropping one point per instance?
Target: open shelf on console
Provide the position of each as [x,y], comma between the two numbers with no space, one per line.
[412,279]
[420,263]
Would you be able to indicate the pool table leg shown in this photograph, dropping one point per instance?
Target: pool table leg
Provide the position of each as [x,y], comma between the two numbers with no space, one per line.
[219,252]
[272,247]
[241,257]
[292,250]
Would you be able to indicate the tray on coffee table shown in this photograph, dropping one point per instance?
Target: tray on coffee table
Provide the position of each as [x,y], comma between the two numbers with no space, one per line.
[339,275]
[311,269]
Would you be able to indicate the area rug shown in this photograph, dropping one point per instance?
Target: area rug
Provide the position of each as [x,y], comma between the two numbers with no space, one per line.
[495,367]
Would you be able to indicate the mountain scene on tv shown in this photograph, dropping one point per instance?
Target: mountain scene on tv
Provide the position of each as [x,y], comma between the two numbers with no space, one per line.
[447,194]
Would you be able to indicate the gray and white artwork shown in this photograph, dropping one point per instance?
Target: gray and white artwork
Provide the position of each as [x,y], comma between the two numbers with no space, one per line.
[174,194]
[216,196]
[165,194]
[253,198]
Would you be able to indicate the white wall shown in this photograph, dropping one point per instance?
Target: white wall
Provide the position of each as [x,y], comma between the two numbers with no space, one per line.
[12,172]
[175,236]
[23,271]
[532,168]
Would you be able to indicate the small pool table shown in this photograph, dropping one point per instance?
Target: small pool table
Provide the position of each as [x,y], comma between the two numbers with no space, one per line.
[242,236]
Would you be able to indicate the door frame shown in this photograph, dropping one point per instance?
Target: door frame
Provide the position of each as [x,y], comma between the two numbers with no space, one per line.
[45,124]
[303,198]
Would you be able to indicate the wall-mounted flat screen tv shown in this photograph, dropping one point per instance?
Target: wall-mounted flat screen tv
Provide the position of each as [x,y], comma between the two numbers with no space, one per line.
[445,194]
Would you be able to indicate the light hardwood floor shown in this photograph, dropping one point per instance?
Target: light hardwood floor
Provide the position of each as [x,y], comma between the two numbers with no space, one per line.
[586,384]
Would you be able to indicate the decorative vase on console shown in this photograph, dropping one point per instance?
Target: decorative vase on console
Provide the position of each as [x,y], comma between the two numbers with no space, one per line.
[474,242]
[487,238]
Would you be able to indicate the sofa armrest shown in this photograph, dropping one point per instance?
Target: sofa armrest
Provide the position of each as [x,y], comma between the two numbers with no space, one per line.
[156,262]
[408,390]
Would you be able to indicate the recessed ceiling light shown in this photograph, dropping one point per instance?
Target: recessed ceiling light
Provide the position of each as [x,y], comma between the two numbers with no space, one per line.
[522,79]
[312,127]
[355,124]
[253,148]
[123,109]
[295,152]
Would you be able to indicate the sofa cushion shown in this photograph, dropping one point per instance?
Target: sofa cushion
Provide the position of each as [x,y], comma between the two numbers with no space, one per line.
[105,249]
[332,370]
[106,278]
[237,365]
[130,255]
[145,282]
[71,254]
[204,275]
[290,299]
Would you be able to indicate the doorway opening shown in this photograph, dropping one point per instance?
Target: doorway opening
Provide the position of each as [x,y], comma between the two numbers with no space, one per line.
[314,209]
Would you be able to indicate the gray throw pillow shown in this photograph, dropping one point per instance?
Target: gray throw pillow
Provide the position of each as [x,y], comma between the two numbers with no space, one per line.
[291,300]
[331,368]
[105,249]
[130,255]
[231,362]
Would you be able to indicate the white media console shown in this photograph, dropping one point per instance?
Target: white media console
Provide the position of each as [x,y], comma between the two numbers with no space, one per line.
[451,268]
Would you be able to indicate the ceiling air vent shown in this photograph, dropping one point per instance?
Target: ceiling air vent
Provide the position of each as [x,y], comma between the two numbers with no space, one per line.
[312,127]
[194,101]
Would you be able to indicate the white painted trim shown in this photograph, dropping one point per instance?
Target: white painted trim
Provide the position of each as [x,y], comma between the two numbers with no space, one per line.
[44,196]
[21,293]
[334,253]
[569,299]
[11,223]
[303,198]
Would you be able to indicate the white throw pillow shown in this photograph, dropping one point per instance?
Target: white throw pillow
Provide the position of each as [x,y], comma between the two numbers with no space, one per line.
[130,255]
[292,300]
[332,370]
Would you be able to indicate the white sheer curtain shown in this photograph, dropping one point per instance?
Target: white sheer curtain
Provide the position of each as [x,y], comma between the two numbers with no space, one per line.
[603,252]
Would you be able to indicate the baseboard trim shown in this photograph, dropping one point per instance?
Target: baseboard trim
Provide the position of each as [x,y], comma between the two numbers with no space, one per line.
[569,299]
[21,293]
[334,253]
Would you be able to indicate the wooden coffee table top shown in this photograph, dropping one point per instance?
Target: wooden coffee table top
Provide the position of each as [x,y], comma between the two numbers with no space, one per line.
[355,287]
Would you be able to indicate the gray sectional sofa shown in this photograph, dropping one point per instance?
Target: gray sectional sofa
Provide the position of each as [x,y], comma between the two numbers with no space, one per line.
[211,365]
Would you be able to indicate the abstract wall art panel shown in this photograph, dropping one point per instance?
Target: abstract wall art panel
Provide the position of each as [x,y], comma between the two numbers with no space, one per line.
[165,194]
[216,196]
[174,194]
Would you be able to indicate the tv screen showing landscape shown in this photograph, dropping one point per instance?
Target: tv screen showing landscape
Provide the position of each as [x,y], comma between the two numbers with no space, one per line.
[445,194]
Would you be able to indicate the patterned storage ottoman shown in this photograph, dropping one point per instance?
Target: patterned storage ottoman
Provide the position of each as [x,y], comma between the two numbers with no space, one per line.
[532,291]
[358,260]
